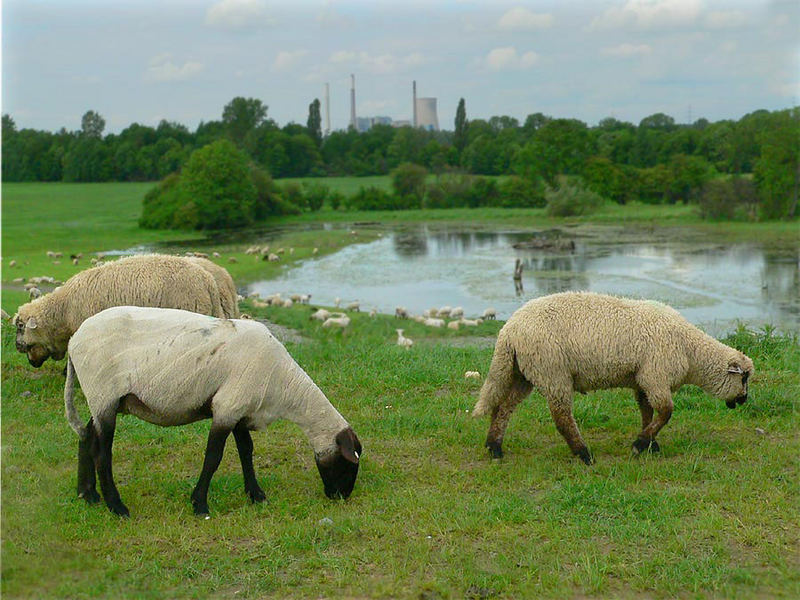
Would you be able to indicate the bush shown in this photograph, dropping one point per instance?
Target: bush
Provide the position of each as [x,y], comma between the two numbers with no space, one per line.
[217,179]
[572,199]
[269,200]
[315,195]
[518,192]
[449,191]
[409,180]
[724,199]
[370,198]
[161,203]
[335,199]
[483,192]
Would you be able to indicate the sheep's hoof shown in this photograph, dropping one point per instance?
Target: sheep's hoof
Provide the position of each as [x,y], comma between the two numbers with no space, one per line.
[91,496]
[641,444]
[585,456]
[256,495]
[495,450]
[119,509]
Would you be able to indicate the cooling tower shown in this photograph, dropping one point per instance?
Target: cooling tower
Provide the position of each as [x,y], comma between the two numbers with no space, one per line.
[426,114]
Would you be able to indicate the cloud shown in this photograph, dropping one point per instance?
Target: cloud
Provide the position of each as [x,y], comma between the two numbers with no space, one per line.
[628,50]
[287,60]
[379,64]
[649,15]
[725,19]
[162,69]
[238,14]
[504,59]
[522,19]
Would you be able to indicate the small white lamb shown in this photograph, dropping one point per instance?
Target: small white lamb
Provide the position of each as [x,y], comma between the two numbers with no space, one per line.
[402,340]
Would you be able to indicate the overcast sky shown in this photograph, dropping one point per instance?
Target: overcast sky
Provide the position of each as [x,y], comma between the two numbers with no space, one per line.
[143,61]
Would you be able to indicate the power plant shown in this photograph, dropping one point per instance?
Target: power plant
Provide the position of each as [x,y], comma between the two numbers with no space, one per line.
[424,114]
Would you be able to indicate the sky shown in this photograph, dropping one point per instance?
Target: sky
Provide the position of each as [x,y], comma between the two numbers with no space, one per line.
[182,60]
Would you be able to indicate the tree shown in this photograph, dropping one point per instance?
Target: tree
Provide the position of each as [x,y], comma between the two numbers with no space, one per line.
[409,180]
[92,125]
[460,134]
[314,122]
[777,170]
[242,115]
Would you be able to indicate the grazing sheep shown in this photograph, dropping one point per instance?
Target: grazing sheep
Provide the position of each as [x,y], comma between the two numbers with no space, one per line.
[295,297]
[273,257]
[453,325]
[457,312]
[45,325]
[419,318]
[373,312]
[470,322]
[337,301]
[227,289]
[581,341]
[232,260]
[400,312]
[305,298]
[434,322]
[18,280]
[173,367]
[216,254]
[354,306]
[288,303]
[314,251]
[444,312]
[340,322]
[490,314]
[34,293]
[403,340]
[320,315]
[12,264]
[472,375]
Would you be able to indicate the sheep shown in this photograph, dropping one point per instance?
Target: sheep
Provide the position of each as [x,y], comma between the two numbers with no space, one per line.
[434,322]
[12,264]
[314,251]
[400,312]
[489,314]
[18,280]
[402,340]
[45,325]
[470,322]
[225,285]
[582,341]
[453,325]
[232,260]
[34,293]
[252,250]
[472,375]
[373,312]
[295,297]
[216,254]
[288,303]
[419,319]
[354,306]
[173,367]
[273,257]
[444,311]
[320,315]
[274,299]
[431,312]
[457,312]
[305,298]
[340,322]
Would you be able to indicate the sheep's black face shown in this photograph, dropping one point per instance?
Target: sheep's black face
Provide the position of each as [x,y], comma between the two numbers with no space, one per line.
[340,468]
[737,383]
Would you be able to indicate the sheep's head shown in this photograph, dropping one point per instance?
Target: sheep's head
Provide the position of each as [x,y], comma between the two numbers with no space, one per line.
[733,385]
[339,467]
[33,340]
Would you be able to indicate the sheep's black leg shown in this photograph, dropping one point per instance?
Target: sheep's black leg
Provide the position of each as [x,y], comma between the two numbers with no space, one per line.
[86,470]
[645,408]
[520,388]
[101,449]
[561,410]
[244,443]
[214,449]
[647,438]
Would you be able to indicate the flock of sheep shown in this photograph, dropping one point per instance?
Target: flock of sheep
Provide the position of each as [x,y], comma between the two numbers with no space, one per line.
[159,337]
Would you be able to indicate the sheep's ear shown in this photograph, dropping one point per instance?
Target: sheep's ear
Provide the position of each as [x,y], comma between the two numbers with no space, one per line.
[348,444]
[31,324]
[735,368]
[15,320]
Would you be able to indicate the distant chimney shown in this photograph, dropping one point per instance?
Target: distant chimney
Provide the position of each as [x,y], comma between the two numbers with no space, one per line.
[414,88]
[327,109]
[353,122]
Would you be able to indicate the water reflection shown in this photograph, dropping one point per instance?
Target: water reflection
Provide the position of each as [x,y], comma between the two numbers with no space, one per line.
[712,284]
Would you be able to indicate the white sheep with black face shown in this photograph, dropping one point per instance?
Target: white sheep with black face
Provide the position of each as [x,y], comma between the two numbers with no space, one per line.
[173,367]
[581,341]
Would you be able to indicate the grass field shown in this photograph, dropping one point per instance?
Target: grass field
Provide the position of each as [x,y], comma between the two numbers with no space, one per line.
[714,515]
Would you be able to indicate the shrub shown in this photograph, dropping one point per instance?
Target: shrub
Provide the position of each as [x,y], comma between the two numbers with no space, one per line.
[161,203]
[483,192]
[335,199]
[449,191]
[315,195]
[518,192]
[572,199]
[723,199]
[370,198]
[409,180]
[269,200]
[217,179]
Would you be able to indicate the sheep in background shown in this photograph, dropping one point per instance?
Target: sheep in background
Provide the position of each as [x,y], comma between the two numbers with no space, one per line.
[232,260]
[434,322]
[472,375]
[320,315]
[490,314]
[45,325]
[273,257]
[354,306]
[227,289]
[402,340]
[12,264]
[340,322]
[294,297]
[173,367]
[419,319]
[400,312]
[288,303]
[581,341]
[373,312]
[470,322]
[305,298]
[457,312]
[431,313]
[34,293]
[314,251]
[444,312]
[453,325]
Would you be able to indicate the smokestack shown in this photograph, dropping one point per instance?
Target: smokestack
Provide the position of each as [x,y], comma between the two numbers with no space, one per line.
[327,109]
[353,122]
[414,88]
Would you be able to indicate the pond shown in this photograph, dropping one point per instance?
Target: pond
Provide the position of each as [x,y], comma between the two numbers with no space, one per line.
[714,285]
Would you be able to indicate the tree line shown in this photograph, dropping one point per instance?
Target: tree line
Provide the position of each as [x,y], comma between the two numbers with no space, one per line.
[657,160]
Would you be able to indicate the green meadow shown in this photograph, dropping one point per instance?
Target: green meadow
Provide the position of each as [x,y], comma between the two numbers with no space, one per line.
[714,515]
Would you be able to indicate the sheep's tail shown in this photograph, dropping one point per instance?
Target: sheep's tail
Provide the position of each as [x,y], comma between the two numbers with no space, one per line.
[69,402]
[499,380]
